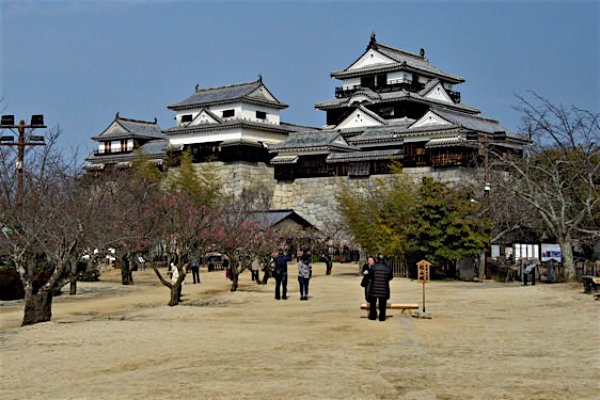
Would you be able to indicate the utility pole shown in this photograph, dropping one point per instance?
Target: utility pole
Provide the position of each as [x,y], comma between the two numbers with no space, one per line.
[485,142]
[24,139]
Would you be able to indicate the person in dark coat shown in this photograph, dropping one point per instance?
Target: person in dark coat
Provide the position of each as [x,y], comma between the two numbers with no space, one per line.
[195,265]
[379,288]
[280,274]
[366,275]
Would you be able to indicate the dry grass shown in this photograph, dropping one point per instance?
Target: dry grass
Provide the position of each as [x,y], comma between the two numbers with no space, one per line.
[485,341]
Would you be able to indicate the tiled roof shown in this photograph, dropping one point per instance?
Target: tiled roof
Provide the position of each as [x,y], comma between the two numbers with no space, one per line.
[127,128]
[284,160]
[270,218]
[403,61]
[156,148]
[322,140]
[392,154]
[378,134]
[227,94]
[398,132]
[389,97]
[449,141]
[233,123]
[471,122]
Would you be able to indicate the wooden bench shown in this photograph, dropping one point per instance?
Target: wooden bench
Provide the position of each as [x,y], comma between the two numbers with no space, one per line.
[394,306]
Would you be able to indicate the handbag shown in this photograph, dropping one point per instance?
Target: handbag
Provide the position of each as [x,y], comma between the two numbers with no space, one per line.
[365,281]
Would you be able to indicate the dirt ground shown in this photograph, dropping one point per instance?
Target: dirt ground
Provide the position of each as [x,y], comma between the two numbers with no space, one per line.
[484,341]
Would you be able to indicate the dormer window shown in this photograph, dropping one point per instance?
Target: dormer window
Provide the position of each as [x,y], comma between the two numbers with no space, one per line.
[261,115]
[186,118]
[228,113]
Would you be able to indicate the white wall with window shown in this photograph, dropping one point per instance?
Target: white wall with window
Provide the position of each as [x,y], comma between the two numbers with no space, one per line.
[234,111]
[350,83]
[257,113]
[227,135]
[399,77]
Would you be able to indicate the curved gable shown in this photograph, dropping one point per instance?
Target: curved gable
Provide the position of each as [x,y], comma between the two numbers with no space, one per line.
[205,117]
[262,94]
[438,92]
[371,57]
[361,118]
[430,119]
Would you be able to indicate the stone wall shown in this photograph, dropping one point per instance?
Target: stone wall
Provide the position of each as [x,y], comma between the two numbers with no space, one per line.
[236,177]
[314,198]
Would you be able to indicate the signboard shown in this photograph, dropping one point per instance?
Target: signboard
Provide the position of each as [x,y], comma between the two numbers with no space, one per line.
[551,252]
[423,268]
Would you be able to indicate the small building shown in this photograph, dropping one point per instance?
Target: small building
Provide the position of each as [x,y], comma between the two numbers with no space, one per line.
[229,123]
[126,140]
[286,222]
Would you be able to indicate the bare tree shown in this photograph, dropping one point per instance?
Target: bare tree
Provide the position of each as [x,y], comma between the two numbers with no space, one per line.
[558,180]
[49,228]
[240,236]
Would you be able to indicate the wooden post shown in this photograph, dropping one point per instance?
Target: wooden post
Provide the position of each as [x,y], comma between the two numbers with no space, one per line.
[423,296]
[423,275]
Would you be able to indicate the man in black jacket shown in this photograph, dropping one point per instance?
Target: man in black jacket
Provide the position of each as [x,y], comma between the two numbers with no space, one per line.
[379,288]
[280,274]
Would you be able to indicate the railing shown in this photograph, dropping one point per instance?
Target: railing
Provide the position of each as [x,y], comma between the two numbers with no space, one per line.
[104,152]
[341,91]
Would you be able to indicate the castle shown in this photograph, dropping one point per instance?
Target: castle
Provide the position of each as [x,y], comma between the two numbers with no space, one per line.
[392,105]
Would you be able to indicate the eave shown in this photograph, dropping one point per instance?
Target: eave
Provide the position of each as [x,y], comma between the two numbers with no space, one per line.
[176,130]
[248,100]
[410,97]
[378,69]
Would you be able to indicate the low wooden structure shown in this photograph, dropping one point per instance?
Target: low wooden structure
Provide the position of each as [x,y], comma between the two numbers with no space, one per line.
[406,308]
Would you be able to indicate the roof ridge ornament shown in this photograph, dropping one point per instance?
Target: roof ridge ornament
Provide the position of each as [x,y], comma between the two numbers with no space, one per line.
[372,42]
[197,88]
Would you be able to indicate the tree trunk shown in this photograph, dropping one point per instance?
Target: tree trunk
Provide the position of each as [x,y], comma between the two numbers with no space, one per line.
[174,295]
[173,286]
[234,281]
[567,259]
[481,266]
[73,286]
[38,307]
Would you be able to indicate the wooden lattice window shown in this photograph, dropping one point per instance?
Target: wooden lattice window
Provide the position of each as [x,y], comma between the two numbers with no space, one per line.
[359,169]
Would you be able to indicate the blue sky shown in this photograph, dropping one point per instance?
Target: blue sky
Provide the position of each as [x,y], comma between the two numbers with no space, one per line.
[81,62]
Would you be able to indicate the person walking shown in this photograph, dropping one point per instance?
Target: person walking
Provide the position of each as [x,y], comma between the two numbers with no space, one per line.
[304,274]
[255,268]
[328,262]
[379,288]
[280,274]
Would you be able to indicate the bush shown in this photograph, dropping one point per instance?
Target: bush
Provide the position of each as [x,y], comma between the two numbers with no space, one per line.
[11,287]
